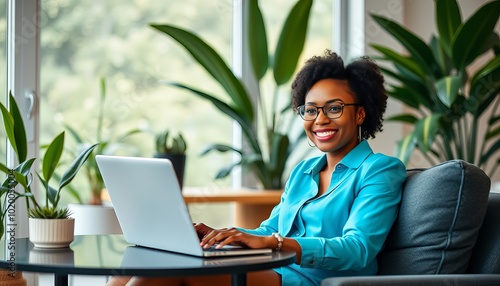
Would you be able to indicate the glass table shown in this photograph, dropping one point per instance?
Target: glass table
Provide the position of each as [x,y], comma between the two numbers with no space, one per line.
[112,255]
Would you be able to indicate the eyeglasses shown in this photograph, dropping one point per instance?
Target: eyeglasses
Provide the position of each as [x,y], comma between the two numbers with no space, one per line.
[332,111]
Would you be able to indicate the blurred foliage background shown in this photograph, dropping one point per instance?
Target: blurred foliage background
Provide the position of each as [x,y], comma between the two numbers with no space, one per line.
[82,41]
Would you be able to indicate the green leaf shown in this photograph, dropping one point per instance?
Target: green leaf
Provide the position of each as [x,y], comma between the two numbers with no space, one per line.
[257,38]
[52,156]
[492,134]
[447,89]
[405,95]
[4,168]
[245,122]
[493,149]
[448,19]
[278,153]
[8,122]
[75,166]
[472,35]
[74,134]
[405,148]
[404,62]
[214,65]
[416,47]
[405,118]
[226,171]
[220,148]
[426,130]
[484,87]
[19,130]
[291,42]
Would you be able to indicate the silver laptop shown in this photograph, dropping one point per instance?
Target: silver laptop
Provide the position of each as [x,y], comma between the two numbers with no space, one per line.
[150,208]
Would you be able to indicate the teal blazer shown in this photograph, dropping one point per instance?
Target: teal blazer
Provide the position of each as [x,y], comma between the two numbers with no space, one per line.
[342,231]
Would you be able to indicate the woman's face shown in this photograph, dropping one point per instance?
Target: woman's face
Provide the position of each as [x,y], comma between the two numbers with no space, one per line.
[336,136]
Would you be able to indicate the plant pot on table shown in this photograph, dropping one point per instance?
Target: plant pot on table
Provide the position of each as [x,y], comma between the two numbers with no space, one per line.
[51,233]
[178,162]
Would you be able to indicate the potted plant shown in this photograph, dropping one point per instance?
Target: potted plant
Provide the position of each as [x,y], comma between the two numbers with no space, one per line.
[447,99]
[8,193]
[265,153]
[50,225]
[173,149]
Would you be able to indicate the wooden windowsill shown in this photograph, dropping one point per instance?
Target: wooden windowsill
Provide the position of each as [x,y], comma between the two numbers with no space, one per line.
[201,195]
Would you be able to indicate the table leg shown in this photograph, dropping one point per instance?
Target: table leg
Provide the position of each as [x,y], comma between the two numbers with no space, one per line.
[60,280]
[238,279]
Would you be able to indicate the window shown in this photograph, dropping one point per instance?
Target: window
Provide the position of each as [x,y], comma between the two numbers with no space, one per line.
[85,40]
[3,71]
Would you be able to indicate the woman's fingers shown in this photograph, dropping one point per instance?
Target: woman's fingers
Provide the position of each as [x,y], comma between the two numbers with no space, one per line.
[217,236]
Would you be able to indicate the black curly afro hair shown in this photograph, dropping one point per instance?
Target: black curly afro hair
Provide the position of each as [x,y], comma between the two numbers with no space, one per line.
[364,79]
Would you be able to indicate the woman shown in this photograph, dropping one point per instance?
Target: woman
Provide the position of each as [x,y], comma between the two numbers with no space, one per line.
[336,209]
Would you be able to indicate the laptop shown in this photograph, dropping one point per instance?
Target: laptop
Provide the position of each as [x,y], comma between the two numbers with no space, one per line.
[150,207]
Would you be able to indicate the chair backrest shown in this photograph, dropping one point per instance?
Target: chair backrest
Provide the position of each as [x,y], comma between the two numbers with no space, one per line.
[440,216]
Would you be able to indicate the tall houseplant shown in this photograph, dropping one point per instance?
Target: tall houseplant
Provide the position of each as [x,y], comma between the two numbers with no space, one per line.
[435,82]
[267,152]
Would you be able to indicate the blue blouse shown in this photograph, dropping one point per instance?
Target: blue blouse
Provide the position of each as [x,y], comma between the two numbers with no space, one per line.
[342,231]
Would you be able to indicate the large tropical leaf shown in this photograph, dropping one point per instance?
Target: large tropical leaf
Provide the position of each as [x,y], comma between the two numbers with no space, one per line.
[405,118]
[495,147]
[443,58]
[447,89]
[257,38]
[245,122]
[448,19]
[471,36]
[416,47]
[426,130]
[214,65]
[278,154]
[291,42]
[485,86]
[405,95]
[405,62]
[405,147]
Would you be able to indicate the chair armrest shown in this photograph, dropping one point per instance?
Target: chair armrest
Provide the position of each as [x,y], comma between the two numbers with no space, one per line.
[414,280]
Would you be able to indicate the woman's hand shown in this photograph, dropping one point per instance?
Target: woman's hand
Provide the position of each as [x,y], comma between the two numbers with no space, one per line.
[232,236]
[202,229]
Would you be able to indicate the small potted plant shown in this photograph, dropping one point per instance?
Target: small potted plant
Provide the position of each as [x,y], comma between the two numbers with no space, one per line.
[50,226]
[174,149]
[48,213]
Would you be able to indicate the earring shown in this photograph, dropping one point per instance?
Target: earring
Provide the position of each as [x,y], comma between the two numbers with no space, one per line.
[360,133]
[310,143]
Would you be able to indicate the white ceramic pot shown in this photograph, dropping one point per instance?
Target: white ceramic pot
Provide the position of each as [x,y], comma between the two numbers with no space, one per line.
[94,219]
[51,233]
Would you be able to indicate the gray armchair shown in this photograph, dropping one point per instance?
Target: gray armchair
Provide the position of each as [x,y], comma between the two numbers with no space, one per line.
[447,231]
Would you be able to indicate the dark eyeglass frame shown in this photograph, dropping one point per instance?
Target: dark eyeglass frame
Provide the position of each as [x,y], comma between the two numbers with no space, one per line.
[301,110]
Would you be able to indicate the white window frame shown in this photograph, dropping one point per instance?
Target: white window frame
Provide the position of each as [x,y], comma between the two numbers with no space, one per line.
[23,39]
